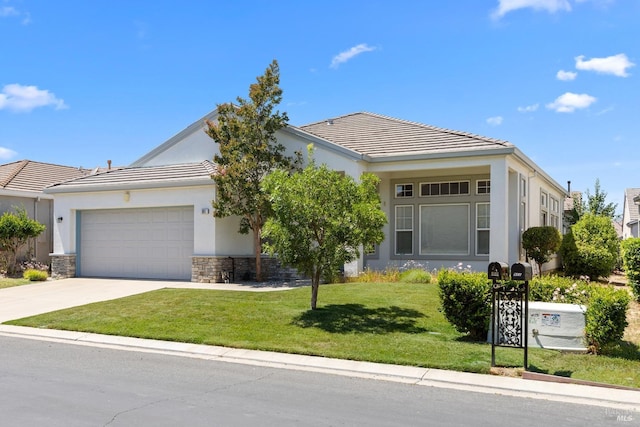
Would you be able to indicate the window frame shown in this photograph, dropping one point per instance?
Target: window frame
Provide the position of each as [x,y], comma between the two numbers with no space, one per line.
[396,230]
[401,194]
[486,187]
[420,225]
[487,229]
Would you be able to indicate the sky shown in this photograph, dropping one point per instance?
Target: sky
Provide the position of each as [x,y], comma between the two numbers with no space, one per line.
[83,82]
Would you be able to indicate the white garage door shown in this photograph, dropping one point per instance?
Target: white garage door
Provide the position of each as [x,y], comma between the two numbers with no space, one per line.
[150,243]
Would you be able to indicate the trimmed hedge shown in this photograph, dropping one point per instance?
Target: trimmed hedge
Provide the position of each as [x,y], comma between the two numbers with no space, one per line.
[466,302]
[631,263]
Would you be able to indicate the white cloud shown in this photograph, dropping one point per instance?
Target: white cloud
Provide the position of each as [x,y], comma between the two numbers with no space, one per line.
[528,108]
[9,11]
[495,121]
[551,6]
[616,64]
[569,102]
[7,154]
[19,98]
[566,75]
[348,54]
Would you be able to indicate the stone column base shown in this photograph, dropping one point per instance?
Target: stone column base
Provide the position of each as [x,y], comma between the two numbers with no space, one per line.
[63,266]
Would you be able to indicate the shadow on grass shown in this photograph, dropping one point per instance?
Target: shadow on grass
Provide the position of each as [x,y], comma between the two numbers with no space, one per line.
[624,350]
[562,373]
[345,318]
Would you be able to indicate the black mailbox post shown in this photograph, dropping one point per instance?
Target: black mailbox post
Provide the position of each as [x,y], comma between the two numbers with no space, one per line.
[510,306]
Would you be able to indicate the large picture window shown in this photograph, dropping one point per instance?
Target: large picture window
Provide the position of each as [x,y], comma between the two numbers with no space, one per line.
[482,228]
[404,230]
[444,229]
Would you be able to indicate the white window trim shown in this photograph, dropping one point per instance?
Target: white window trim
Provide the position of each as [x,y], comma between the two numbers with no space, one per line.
[482,228]
[444,182]
[395,229]
[488,187]
[395,190]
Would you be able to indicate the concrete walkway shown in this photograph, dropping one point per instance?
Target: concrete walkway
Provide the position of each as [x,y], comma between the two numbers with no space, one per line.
[22,301]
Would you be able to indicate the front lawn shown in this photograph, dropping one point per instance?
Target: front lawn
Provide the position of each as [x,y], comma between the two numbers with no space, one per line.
[7,282]
[379,322]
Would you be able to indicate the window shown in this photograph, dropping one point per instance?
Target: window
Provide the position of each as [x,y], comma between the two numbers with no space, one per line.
[404,190]
[483,187]
[482,228]
[444,229]
[523,187]
[444,188]
[544,204]
[404,230]
[555,212]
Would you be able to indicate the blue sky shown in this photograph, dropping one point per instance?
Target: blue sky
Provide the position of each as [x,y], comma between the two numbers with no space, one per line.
[86,81]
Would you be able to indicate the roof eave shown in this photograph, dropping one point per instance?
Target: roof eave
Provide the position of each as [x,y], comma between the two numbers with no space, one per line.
[138,185]
[28,194]
[520,155]
[439,155]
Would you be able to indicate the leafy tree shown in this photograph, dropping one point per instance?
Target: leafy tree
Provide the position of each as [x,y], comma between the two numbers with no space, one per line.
[320,219]
[595,204]
[15,231]
[590,247]
[540,243]
[249,150]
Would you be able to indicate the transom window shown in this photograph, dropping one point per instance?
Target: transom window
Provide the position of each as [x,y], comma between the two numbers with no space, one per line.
[444,188]
[483,186]
[404,190]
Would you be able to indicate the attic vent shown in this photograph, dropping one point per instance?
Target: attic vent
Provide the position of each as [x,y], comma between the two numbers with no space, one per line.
[329,122]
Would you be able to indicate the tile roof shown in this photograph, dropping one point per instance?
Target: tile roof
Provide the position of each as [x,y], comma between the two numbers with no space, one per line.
[139,177]
[27,175]
[380,136]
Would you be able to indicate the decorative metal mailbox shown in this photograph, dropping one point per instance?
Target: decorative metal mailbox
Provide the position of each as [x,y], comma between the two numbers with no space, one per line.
[498,271]
[510,307]
[521,271]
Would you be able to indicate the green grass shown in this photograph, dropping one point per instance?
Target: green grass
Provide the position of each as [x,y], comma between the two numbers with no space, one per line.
[381,322]
[7,282]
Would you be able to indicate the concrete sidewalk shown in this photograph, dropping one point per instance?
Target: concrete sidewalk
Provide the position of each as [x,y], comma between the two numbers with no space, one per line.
[40,298]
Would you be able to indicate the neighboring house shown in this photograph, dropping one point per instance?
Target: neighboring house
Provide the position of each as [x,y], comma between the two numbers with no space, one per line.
[631,213]
[21,185]
[450,197]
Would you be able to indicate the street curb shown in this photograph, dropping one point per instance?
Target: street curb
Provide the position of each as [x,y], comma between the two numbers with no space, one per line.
[587,394]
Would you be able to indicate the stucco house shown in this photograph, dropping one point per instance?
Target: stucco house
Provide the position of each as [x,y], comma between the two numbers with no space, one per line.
[450,197]
[21,185]
[631,213]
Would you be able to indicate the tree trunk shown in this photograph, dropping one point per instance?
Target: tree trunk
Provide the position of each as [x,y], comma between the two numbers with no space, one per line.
[257,247]
[315,284]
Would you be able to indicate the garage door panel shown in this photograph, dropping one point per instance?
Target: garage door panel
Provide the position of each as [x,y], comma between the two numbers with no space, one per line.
[154,243]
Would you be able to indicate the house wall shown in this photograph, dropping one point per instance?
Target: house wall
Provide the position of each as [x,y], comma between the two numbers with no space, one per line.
[211,236]
[40,209]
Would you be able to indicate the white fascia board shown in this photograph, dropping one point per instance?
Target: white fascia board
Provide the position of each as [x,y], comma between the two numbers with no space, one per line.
[461,159]
[324,143]
[193,127]
[25,194]
[440,155]
[131,186]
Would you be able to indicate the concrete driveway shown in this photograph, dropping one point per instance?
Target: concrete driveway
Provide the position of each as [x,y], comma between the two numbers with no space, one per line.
[42,297]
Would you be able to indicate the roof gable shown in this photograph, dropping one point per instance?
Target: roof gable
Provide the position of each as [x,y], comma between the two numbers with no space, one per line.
[378,136]
[27,175]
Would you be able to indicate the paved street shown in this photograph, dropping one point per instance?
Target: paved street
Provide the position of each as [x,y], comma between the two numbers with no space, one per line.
[55,384]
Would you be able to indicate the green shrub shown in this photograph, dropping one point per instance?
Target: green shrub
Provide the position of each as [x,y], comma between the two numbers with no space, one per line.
[415,275]
[631,263]
[590,248]
[540,243]
[606,317]
[35,275]
[466,302]
[560,289]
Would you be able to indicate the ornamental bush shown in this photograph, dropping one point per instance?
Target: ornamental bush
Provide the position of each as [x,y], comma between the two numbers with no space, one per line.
[35,275]
[559,289]
[606,318]
[540,243]
[415,275]
[466,302]
[631,264]
[590,248]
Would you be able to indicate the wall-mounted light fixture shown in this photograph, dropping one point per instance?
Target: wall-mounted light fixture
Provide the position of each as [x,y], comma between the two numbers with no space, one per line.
[59,219]
[206,211]
[127,196]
